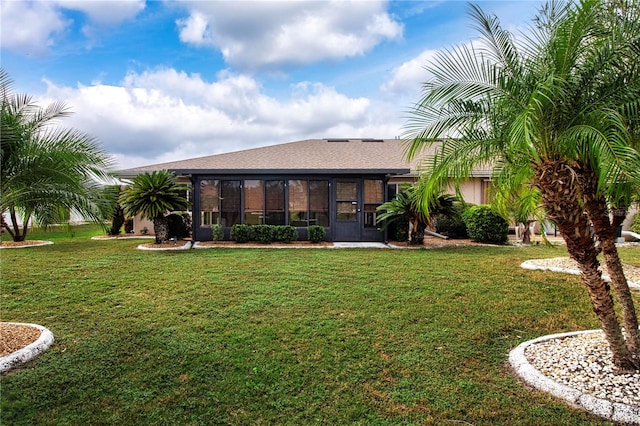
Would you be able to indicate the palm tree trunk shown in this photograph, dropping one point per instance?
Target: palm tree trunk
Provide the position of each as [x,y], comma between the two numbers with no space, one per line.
[161,229]
[605,230]
[561,198]
[417,233]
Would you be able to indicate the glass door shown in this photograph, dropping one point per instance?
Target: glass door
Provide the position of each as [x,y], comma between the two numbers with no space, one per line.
[347,210]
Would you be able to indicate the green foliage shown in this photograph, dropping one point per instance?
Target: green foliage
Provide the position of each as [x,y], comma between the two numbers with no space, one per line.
[152,195]
[486,226]
[452,224]
[413,206]
[635,225]
[264,234]
[179,225]
[242,233]
[399,230]
[46,171]
[217,233]
[316,233]
[286,233]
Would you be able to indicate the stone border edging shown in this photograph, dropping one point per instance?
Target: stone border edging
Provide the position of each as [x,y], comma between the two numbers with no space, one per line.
[30,351]
[40,244]
[132,237]
[186,246]
[532,265]
[614,411]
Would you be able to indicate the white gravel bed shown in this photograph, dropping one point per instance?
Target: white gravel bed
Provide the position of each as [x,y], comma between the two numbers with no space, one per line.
[568,265]
[584,362]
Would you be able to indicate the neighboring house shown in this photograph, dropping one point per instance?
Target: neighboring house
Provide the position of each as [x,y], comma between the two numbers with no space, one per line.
[335,183]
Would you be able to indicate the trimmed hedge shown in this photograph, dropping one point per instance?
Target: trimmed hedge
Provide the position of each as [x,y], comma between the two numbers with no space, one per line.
[264,234]
[286,233]
[316,233]
[217,233]
[241,233]
[486,226]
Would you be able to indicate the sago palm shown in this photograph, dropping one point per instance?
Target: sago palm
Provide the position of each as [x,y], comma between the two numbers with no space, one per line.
[152,196]
[543,112]
[46,169]
[409,206]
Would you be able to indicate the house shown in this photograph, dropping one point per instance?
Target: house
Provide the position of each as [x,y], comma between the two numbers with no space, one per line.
[334,183]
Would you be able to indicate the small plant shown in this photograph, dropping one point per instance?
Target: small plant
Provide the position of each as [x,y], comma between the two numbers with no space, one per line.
[635,225]
[217,233]
[241,233]
[264,234]
[486,226]
[316,233]
[144,231]
[452,224]
[179,225]
[286,233]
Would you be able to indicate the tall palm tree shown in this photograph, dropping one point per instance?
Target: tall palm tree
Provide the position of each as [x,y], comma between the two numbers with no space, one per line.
[46,169]
[547,112]
[152,196]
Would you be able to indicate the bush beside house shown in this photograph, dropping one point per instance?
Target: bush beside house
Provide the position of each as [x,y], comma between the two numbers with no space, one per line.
[484,225]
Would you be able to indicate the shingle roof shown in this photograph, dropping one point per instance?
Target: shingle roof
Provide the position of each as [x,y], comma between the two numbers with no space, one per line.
[306,156]
[311,156]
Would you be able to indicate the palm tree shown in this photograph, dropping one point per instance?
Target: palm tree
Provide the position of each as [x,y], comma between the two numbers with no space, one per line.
[152,195]
[46,169]
[407,205]
[545,112]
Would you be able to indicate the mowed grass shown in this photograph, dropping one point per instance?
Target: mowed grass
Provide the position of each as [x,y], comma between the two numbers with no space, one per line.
[287,336]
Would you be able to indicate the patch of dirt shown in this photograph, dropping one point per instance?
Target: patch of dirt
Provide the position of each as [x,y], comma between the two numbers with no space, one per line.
[16,336]
[21,243]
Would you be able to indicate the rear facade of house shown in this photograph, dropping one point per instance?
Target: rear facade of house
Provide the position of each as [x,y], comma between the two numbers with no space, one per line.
[334,183]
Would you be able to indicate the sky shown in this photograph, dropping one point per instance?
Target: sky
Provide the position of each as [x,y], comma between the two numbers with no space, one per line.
[158,81]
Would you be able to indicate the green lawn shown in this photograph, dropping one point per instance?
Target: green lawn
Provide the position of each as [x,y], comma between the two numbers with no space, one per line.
[221,336]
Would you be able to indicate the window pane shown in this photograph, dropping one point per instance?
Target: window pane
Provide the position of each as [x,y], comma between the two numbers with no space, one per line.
[346,211]
[298,203]
[370,216]
[346,191]
[229,202]
[274,196]
[253,202]
[319,202]
[209,202]
[373,197]
[373,191]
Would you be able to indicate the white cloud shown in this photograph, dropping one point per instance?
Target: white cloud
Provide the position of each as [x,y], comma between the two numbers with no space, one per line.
[407,78]
[30,27]
[256,34]
[105,12]
[165,115]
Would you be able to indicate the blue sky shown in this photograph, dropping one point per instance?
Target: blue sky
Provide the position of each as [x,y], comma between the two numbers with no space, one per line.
[159,81]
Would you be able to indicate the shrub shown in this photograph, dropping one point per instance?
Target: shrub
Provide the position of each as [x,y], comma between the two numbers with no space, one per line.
[635,225]
[217,233]
[452,225]
[264,234]
[399,230]
[486,226]
[178,226]
[286,233]
[241,233]
[316,233]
